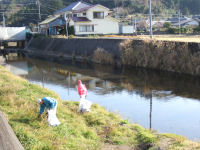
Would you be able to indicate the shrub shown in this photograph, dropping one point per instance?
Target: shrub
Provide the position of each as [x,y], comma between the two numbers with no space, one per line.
[71,37]
[167,25]
[103,57]
[170,56]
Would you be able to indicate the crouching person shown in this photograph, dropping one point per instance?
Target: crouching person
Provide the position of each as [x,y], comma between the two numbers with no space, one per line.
[51,106]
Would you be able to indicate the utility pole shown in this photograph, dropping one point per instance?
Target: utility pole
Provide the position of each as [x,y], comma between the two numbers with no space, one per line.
[39,15]
[66,20]
[4,20]
[179,21]
[135,27]
[150,19]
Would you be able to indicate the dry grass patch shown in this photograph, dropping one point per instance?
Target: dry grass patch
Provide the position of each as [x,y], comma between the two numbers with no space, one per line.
[103,57]
[162,55]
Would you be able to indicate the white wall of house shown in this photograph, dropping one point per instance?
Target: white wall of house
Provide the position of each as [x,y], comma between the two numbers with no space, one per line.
[127,29]
[97,8]
[105,25]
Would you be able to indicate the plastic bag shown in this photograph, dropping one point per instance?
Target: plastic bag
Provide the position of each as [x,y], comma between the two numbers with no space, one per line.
[84,105]
[52,118]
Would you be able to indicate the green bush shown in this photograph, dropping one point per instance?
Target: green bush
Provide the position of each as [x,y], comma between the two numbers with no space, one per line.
[173,30]
[197,29]
[146,139]
[71,30]
[167,25]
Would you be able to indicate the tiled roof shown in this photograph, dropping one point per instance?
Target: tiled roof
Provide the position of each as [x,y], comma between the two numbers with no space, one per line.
[86,8]
[83,9]
[74,6]
[80,19]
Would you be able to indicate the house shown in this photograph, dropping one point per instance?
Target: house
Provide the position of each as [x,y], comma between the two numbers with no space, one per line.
[188,23]
[85,18]
[175,20]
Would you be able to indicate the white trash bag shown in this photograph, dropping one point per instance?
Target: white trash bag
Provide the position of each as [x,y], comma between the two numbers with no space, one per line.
[84,105]
[52,118]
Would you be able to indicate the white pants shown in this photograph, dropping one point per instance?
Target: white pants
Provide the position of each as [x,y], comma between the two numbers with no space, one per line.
[84,105]
[53,110]
[52,119]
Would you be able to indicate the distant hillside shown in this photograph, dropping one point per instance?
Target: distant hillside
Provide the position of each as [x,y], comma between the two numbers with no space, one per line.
[25,12]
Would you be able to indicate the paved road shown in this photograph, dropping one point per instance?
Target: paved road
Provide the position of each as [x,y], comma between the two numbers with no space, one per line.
[8,140]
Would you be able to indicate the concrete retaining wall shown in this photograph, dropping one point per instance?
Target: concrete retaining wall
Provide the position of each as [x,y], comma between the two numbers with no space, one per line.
[179,57]
[75,48]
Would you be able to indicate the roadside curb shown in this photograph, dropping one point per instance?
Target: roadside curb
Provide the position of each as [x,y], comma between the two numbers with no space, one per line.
[8,139]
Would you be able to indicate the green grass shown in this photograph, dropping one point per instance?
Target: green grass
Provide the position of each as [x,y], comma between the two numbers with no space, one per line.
[77,131]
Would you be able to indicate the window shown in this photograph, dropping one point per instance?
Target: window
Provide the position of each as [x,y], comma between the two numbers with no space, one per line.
[86,28]
[74,15]
[84,14]
[98,15]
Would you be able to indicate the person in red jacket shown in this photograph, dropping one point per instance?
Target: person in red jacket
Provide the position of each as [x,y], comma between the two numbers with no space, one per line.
[82,90]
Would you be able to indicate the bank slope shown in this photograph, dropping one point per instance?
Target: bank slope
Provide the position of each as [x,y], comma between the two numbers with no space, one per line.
[77,131]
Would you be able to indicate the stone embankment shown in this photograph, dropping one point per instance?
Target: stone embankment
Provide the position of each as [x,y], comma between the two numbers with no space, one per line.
[181,57]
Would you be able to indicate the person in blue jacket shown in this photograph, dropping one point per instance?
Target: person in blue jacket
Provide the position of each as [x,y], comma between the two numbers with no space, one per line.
[49,103]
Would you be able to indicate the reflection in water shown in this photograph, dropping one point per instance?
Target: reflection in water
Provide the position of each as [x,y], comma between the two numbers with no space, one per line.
[150,114]
[169,102]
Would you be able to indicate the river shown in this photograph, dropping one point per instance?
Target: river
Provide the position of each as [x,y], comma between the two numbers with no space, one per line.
[162,101]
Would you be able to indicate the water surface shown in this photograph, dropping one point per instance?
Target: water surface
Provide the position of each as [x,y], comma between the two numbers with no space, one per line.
[166,102]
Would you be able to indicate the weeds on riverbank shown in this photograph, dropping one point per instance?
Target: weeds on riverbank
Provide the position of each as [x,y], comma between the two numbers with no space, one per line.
[102,57]
[77,131]
[162,55]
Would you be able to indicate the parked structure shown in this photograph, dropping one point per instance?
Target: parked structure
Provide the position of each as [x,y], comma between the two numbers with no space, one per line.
[84,18]
[12,33]
[52,25]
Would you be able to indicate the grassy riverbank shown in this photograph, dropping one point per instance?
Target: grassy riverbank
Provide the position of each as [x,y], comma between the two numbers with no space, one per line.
[96,130]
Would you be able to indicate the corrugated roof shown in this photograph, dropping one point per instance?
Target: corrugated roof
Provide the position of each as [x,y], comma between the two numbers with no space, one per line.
[57,22]
[49,19]
[74,6]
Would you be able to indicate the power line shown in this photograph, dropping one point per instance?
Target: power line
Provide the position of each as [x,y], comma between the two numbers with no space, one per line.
[21,4]
[49,7]
[16,9]
[25,13]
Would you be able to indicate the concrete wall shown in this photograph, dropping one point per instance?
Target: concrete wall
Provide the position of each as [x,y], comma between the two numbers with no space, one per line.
[74,48]
[179,57]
